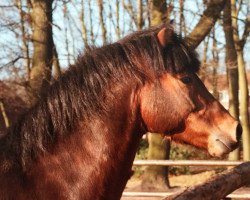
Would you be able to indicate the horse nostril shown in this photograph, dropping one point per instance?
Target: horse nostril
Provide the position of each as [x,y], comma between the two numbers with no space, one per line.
[238,132]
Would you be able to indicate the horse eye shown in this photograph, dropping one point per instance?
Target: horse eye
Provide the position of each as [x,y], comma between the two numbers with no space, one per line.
[186,80]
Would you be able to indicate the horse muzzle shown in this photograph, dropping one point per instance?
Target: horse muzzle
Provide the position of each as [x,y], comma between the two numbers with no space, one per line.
[220,144]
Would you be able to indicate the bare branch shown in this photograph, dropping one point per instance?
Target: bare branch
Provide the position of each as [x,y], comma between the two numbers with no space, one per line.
[7,6]
[4,114]
[129,8]
[12,62]
[218,187]
[246,32]
[206,23]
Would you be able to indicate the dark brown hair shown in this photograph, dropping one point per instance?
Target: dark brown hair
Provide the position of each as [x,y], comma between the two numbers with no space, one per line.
[78,94]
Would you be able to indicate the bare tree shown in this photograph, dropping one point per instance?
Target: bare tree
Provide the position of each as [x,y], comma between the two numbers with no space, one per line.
[102,23]
[243,86]
[92,37]
[42,59]
[203,69]
[232,69]
[139,15]
[83,24]
[26,56]
[158,10]
[130,10]
[182,26]
[56,64]
[215,64]
[149,2]
[117,30]
[66,22]
[206,23]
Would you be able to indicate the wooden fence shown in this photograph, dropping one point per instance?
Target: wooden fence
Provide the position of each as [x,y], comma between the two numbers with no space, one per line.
[183,163]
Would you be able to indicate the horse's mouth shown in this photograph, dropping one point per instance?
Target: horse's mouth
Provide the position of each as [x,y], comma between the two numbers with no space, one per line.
[218,140]
[231,147]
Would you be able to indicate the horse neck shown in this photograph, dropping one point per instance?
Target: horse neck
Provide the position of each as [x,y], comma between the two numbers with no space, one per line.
[121,134]
[97,158]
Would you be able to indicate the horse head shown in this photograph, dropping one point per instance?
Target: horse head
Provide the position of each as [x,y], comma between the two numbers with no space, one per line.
[177,104]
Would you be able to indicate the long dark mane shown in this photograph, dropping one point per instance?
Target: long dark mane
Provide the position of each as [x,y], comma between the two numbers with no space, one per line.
[78,94]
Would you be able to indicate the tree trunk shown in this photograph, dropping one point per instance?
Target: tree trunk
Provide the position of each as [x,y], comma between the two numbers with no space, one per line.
[92,37]
[232,70]
[56,64]
[24,38]
[206,23]
[83,25]
[129,8]
[148,11]
[244,114]
[182,19]
[66,23]
[244,105]
[156,177]
[139,15]
[215,64]
[218,187]
[40,74]
[203,69]
[158,11]
[4,114]
[117,28]
[103,28]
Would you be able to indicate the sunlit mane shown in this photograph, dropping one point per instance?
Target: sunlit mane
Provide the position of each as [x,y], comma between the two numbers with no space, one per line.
[78,94]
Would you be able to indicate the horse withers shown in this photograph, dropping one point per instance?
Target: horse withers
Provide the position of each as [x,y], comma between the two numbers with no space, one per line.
[80,140]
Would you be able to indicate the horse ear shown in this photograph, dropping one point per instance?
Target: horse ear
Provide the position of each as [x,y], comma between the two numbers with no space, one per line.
[164,36]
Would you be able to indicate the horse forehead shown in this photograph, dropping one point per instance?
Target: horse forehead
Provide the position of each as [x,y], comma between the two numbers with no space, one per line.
[163,81]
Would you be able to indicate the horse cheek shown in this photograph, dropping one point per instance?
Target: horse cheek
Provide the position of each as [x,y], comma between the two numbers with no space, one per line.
[157,114]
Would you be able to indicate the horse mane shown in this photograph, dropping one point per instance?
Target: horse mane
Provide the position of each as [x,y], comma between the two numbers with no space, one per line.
[78,94]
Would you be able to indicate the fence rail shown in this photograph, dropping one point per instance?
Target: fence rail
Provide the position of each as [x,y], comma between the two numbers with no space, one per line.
[165,194]
[182,163]
[186,162]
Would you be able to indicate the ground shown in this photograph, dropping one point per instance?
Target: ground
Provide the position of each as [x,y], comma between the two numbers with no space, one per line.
[177,182]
